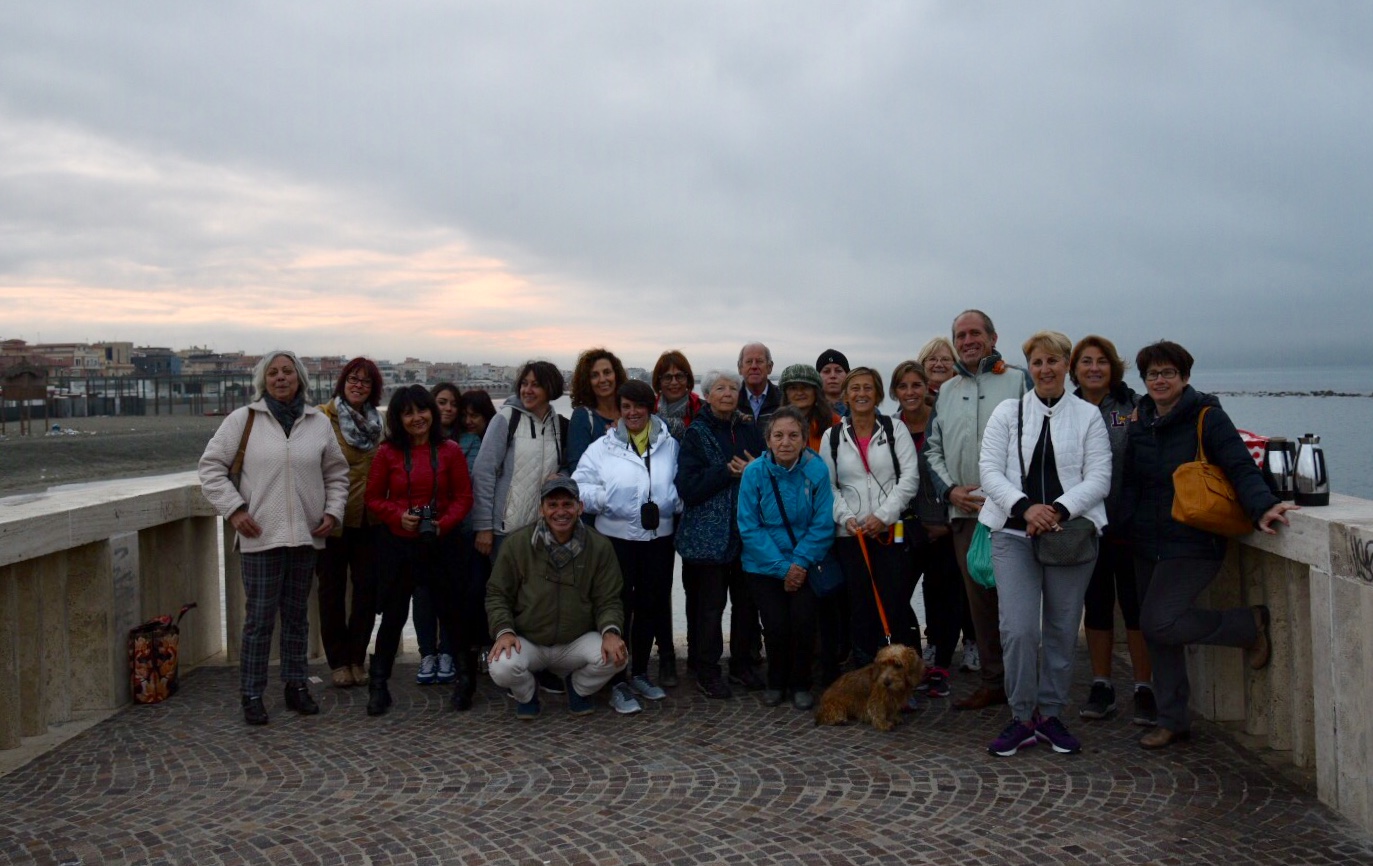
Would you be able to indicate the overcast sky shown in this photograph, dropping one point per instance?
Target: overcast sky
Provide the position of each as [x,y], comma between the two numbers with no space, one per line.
[496,181]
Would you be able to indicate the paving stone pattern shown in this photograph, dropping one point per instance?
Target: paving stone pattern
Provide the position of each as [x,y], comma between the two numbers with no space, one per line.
[688,781]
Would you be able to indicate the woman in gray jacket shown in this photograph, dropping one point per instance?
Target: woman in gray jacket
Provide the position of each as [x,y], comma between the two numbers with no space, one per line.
[290,495]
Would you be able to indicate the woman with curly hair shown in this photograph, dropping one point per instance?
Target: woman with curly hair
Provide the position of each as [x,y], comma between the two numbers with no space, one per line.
[595,408]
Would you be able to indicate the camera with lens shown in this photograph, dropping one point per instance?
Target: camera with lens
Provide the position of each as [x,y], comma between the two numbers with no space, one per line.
[428,528]
[648,515]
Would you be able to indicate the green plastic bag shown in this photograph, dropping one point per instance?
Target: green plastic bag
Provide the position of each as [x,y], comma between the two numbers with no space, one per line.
[980,557]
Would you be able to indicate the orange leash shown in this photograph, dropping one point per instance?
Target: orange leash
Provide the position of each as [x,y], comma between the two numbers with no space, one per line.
[876,596]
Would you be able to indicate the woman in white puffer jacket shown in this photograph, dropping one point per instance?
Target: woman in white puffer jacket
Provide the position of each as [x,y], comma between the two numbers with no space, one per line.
[627,480]
[1045,459]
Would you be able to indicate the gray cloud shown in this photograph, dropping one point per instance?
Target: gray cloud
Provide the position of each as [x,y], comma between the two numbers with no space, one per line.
[697,174]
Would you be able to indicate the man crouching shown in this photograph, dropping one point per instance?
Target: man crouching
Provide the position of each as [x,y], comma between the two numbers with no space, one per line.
[553,602]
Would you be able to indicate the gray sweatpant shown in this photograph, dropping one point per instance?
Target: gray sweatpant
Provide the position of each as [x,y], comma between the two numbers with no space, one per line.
[1041,609]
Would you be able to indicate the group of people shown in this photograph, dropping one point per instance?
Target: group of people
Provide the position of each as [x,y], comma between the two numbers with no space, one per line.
[545,545]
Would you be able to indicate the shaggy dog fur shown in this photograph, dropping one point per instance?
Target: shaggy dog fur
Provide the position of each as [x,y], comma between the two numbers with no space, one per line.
[874,694]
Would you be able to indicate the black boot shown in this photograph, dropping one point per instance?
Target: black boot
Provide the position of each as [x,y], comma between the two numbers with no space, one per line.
[467,682]
[254,713]
[298,698]
[378,695]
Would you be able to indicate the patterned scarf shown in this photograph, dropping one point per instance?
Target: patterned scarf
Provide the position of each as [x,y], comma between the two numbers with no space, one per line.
[287,413]
[560,554]
[359,430]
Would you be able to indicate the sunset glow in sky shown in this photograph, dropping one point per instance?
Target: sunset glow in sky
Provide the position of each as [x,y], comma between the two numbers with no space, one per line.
[491,182]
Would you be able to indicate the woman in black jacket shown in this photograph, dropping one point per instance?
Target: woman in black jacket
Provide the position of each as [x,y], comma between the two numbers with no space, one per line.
[718,444]
[1175,562]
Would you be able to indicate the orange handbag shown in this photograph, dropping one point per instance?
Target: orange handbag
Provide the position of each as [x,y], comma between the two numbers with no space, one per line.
[1203,498]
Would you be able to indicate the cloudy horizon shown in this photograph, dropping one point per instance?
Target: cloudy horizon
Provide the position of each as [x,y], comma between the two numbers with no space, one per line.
[492,181]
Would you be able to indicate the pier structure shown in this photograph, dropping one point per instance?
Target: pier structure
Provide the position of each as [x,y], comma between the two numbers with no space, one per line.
[1280,769]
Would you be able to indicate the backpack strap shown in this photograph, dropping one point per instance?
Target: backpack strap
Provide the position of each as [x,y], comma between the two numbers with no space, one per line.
[834,451]
[885,422]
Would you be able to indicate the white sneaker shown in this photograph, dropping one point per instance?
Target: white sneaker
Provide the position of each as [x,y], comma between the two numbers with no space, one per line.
[622,700]
[929,655]
[429,670]
[971,660]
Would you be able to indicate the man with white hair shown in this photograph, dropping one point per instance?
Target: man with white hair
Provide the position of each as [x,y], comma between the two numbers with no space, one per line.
[760,397]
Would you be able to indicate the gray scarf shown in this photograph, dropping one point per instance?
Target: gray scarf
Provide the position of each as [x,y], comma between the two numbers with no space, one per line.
[360,431]
[560,554]
[287,413]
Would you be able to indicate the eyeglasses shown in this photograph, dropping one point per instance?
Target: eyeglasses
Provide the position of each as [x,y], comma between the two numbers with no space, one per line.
[673,377]
[1168,373]
[358,380]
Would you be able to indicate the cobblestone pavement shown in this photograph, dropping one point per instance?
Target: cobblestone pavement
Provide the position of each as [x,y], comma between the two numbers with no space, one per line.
[688,781]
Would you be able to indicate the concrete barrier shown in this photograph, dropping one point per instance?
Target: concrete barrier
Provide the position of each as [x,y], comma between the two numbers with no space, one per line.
[80,567]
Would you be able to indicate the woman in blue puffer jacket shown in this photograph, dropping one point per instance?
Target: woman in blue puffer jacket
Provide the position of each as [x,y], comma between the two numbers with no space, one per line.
[786,522]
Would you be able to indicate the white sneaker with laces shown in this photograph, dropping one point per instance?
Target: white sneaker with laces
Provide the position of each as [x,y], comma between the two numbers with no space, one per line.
[429,670]
[447,673]
[971,660]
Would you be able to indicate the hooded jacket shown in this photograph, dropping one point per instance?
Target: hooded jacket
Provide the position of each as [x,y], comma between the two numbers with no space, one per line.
[615,482]
[806,492]
[1157,446]
[1117,408]
[965,404]
[511,466]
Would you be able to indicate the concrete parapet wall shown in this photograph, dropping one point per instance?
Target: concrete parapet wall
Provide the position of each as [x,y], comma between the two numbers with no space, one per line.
[78,569]
[1314,702]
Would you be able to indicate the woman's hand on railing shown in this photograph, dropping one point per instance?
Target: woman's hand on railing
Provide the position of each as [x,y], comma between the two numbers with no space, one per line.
[1276,514]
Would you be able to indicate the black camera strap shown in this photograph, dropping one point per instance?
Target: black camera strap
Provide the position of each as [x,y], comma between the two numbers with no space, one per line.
[433,467]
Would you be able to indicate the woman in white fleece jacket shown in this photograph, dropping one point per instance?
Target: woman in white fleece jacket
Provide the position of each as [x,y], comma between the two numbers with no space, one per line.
[1046,458]
[291,494]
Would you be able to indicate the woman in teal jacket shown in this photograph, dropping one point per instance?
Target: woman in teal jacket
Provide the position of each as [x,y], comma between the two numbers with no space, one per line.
[786,523]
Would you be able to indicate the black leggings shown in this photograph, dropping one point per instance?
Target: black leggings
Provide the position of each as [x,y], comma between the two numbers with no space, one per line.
[1113,580]
[895,581]
[646,567]
[946,602]
[402,564]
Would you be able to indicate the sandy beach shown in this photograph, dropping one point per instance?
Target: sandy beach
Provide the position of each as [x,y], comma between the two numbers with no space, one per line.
[100,449]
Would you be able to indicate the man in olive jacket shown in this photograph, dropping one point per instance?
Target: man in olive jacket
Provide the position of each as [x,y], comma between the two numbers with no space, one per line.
[553,603]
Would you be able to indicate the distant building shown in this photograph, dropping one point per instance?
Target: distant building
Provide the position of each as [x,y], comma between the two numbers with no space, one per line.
[153,361]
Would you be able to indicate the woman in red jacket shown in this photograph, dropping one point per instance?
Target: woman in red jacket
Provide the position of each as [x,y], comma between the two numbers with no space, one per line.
[419,490]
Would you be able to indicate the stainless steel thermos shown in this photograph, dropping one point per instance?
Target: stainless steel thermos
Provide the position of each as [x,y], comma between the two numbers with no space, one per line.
[1310,479]
[1280,466]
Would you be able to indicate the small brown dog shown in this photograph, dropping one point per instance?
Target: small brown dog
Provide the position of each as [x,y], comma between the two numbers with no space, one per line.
[876,693]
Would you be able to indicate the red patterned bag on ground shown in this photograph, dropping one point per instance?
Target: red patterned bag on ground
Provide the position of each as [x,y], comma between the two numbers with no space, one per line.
[154,649]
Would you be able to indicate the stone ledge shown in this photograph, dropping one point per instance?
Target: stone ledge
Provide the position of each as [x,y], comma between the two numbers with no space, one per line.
[45,523]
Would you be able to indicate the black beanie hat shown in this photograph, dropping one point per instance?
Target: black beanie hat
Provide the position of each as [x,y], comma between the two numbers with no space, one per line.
[832,356]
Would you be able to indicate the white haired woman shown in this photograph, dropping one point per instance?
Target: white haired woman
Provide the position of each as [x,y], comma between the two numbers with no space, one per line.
[283,499]
[1045,460]
[717,447]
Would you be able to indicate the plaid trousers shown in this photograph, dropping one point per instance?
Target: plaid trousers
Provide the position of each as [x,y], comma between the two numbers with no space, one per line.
[276,579]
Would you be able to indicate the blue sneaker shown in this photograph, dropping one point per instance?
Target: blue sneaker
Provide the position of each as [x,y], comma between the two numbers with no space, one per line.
[646,688]
[1017,735]
[576,704]
[446,673]
[429,671]
[1051,731]
[530,710]
[622,700]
